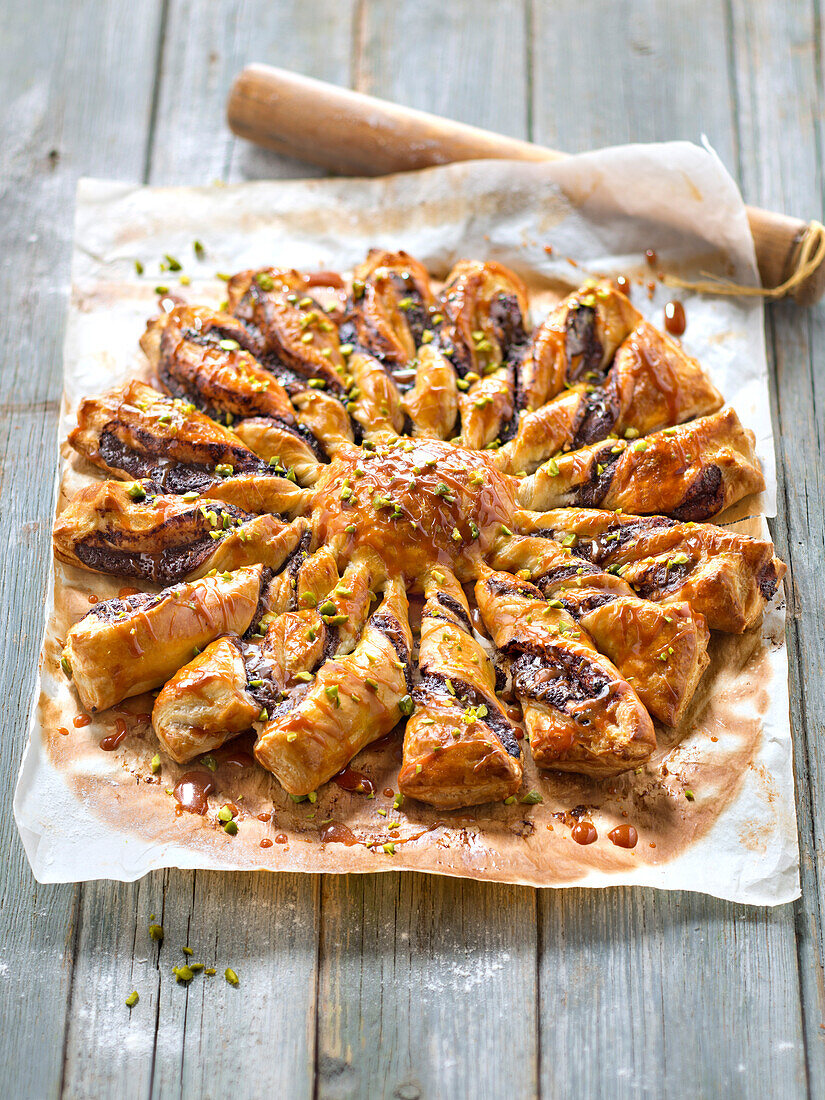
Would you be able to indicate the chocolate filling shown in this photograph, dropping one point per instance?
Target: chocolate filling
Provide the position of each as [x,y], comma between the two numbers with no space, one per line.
[166,475]
[600,548]
[560,573]
[168,567]
[259,666]
[768,580]
[263,605]
[435,684]
[115,610]
[498,586]
[583,348]
[555,676]
[705,495]
[593,491]
[391,628]
[595,417]
[661,578]
[454,605]
[578,608]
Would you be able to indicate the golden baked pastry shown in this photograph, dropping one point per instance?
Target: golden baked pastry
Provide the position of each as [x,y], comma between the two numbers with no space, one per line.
[311,482]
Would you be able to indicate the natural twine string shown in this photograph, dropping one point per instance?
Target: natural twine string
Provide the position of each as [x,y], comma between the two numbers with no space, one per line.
[811,255]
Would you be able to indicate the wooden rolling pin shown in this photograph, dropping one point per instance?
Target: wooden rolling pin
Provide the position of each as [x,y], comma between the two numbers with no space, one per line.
[354,134]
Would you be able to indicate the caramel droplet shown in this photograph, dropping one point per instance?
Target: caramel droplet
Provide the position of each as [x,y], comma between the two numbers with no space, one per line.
[192,789]
[675,320]
[584,832]
[338,833]
[624,836]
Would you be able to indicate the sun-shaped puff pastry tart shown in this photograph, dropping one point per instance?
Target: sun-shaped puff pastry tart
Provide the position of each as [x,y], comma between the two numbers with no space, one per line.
[396,505]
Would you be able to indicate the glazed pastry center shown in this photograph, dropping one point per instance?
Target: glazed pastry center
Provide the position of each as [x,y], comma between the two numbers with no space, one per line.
[414,504]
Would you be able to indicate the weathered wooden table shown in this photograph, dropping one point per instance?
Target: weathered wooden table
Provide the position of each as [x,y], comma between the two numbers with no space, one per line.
[388,985]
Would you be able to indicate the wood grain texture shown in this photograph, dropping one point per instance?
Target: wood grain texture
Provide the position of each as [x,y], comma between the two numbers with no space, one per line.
[56,82]
[426,985]
[780,97]
[387,985]
[651,77]
[205,45]
[608,73]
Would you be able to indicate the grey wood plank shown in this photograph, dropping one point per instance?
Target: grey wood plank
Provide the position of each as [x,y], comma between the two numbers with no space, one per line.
[645,998]
[781,104]
[466,59]
[710,991]
[206,45]
[202,1040]
[428,989]
[427,986]
[257,1038]
[608,73]
[64,108]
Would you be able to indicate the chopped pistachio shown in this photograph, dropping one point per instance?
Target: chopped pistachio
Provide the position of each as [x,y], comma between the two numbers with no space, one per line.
[406,704]
[138,267]
[231,827]
[132,999]
[156,932]
[532,798]
[155,765]
[231,976]
[389,849]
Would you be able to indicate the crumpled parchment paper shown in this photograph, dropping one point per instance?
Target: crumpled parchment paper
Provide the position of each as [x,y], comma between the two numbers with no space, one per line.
[84,813]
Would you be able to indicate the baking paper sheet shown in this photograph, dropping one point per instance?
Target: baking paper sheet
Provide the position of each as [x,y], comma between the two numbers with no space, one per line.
[84,813]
